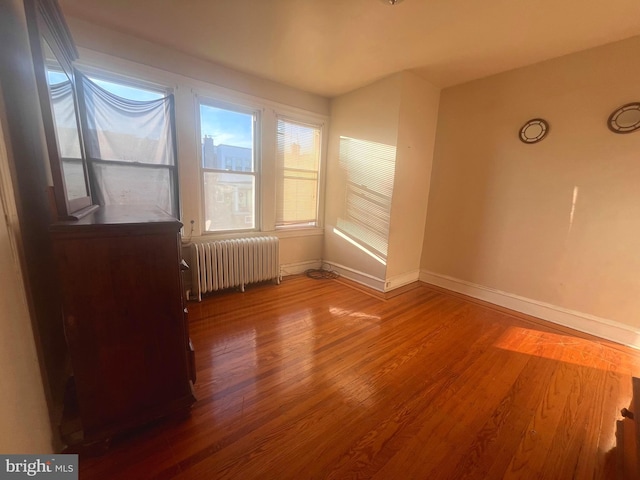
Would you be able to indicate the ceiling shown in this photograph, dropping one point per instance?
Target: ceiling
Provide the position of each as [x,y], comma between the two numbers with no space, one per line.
[330,47]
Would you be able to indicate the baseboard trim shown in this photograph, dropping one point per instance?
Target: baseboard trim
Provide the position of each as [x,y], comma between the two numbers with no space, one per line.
[583,322]
[359,277]
[299,267]
[401,280]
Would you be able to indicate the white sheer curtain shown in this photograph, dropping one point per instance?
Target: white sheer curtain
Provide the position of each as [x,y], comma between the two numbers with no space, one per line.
[130,147]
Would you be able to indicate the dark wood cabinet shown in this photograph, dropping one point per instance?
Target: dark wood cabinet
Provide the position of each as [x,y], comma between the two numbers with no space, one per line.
[628,438]
[124,317]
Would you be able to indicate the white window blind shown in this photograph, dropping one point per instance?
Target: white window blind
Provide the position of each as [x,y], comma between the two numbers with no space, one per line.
[370,168]
[298,164]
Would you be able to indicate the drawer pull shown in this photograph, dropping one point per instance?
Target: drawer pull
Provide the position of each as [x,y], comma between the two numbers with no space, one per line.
[626,413]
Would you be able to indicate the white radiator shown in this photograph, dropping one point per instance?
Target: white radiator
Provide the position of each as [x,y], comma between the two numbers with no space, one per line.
[234,263]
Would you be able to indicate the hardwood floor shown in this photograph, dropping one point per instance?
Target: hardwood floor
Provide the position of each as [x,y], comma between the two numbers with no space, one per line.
[314,379]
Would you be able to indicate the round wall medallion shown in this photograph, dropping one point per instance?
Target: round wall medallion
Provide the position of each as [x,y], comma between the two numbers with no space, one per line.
[534,130]
[625,119]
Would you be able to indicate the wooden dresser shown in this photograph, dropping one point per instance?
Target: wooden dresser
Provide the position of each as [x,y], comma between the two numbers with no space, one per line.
[628,438]
[124,318]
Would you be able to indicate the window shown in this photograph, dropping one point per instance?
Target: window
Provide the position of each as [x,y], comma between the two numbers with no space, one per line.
[130,144]
[298,164]
[229,172]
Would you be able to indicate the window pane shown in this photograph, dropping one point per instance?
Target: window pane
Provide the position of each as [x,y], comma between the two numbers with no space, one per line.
[65,120]
[228,201]
[74,179]
[121,184]
[228,160]
[298,158]
[227,139]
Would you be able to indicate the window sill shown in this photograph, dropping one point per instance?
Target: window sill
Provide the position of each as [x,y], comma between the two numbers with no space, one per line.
[281,233]
[297,232]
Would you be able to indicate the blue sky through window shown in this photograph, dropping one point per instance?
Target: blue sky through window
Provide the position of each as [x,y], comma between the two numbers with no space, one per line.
[55,77]
[125,91]
[226,126]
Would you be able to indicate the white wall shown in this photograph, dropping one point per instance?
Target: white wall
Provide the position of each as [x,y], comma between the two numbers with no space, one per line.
[418,117]
[24,417]
[550,228]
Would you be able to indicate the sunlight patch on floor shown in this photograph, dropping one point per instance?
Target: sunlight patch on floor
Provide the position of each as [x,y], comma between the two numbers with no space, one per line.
[566,348]
[341,312]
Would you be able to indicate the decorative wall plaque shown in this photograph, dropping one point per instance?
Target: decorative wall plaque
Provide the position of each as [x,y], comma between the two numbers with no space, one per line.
[625,119]
[534,130]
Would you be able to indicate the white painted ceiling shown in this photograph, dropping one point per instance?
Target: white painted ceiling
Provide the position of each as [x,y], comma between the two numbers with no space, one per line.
[330,47]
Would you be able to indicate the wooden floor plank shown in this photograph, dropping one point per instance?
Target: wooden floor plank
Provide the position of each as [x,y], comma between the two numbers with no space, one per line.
[315,379]
[492,447]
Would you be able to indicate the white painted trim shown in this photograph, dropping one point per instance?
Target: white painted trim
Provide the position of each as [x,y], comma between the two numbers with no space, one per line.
[293,233]
[357,276]
[583,322]
[299,267]
[297,232]
[401,280]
